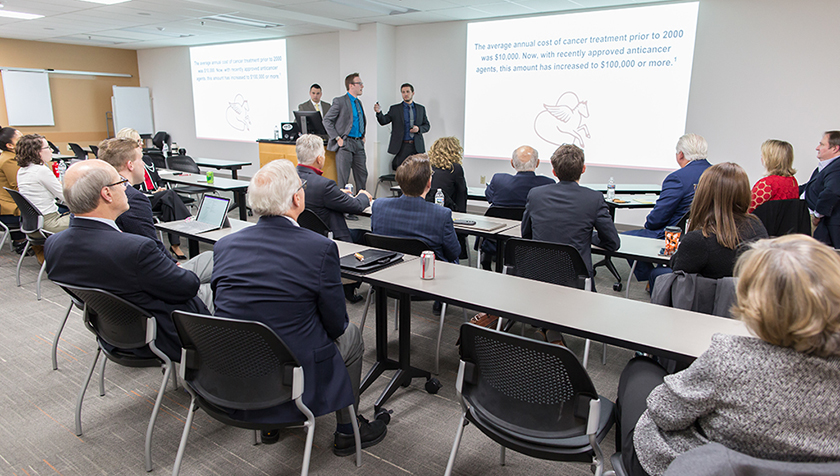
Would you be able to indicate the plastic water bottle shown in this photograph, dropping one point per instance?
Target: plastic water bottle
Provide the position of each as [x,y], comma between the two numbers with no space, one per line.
[62,167]
[439,197]
[611,189]
[276,133]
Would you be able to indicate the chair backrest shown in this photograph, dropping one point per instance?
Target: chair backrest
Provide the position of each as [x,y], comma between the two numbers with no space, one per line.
[714,459]
[113,319]
[160,138]
[155,157]
[684,221]
[54,148]
[783,217]
[234,363]
[509,213]
[182,163]
[311,221]
[409,246]
[524,385]
[31,219]
[78,151]
[547,262]
[95,150]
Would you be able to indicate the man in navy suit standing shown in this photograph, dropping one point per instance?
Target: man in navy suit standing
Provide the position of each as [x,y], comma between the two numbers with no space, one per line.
[822,192]
[506,190]
[677,194]
[411,216]
[345,124]
[408,124]
[289,278]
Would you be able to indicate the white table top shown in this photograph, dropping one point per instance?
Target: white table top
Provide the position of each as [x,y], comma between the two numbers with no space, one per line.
[220,183]
[220,163]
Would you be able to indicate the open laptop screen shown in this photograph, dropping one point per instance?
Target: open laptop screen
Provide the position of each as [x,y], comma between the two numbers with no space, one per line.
[213,210]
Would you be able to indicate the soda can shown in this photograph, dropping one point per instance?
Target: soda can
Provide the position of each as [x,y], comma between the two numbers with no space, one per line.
[349,186]
[210,178]
[427,265]
[672,239]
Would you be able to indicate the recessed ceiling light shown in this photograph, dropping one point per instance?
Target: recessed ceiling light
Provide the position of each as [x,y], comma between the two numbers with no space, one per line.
[106,2]
[19,15]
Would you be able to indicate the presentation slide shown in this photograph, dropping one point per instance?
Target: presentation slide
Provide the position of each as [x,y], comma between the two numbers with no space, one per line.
[240,90]
[613,82]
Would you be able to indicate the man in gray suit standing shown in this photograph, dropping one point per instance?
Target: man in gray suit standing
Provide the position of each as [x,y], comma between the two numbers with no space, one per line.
[345,124]
[315,103]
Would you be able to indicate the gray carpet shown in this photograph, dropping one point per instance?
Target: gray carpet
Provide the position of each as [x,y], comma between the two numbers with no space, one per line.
[37,417]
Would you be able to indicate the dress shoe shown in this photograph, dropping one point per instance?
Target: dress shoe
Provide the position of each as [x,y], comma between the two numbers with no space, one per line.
[269,437]
[172,250]
[351,217]
[437,306]
[353,298]
[371,432]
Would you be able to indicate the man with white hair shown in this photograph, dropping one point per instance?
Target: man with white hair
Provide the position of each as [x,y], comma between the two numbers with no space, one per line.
[289,278]
[677,194]
[93,252]
[506,190]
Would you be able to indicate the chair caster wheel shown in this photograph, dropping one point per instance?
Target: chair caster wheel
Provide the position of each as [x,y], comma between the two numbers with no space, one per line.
[433,385]
[406,383]
[384,415]
[617,287]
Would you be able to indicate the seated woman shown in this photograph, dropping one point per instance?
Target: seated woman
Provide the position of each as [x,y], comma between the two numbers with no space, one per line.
[9,213]
[774,397]
[779,183]
[164,200]
[718,224]
[446,155]
[37,182]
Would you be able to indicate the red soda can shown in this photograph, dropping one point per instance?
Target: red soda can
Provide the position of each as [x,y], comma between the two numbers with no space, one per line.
[427,265]
[55,168]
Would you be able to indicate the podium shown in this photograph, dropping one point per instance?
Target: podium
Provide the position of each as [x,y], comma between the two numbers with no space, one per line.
[283,149]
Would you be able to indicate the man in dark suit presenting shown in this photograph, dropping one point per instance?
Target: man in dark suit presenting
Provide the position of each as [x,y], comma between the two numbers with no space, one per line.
[288,278]
[94,253]
[408,124]
[345,124]
[567,213]
[822,192]
[315,103]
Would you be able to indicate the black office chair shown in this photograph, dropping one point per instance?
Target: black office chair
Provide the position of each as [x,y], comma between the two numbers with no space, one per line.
[54,148]
[78,151]
[185,163]
[244,365]
[311,221]
[783,217]
[532,397]
[162,138]
[74,301]
[552,263]
[390,178]
[119,323]
[95,150]
[155,157]
[7,233]
[409,246]
[32,225]
[508,213]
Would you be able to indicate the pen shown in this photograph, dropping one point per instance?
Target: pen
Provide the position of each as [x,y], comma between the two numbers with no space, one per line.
[359,256]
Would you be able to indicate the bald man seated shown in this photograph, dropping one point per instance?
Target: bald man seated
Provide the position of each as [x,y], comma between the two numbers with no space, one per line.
[93,252]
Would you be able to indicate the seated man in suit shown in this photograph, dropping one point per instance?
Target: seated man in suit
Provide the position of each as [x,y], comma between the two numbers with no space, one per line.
[126,156]
[677,194]
[289,278]
[567,213]
[506,190]
[315,103]
[822,192]
[93,252]
[411,216]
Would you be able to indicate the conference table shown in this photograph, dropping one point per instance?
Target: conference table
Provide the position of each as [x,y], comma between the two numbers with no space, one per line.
[477,193]
[219,164]
[238,187]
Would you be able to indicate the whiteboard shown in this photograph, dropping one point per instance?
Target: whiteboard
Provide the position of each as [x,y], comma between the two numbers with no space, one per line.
[132,108]
[28,100]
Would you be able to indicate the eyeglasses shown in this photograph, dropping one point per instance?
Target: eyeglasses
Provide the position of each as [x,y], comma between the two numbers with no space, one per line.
[123,182]
[358,82]
[45,148]
[302,185]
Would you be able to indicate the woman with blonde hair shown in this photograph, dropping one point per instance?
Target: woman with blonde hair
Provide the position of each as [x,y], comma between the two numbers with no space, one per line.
[446,155]
[772,397]
[779,183]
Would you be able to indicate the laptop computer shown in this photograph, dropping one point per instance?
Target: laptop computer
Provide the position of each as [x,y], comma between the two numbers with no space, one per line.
[212,215]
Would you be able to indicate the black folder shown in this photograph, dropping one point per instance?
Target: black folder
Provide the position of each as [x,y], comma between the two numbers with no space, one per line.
[372,260]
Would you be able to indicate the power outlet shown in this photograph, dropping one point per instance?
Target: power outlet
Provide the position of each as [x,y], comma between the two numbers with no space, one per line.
[483,180]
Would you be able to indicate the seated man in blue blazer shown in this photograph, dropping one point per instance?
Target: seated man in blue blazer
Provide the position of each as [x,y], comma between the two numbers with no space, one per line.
[506,190]
[411,216]
[567,213]
[677,194]
[289,278]
[94,253]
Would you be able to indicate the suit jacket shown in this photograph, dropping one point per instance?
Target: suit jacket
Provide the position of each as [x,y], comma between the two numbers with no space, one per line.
[567,213]
[328,202]
[414,217]
[396,119]
[453,185]
[288,278]
[339,120]
[93,254]
[8,178]
[505,190]
[138,219]
[308,106]
[676,197]
[822,193]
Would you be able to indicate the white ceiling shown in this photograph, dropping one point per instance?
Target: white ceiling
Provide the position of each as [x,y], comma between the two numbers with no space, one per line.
[139,24]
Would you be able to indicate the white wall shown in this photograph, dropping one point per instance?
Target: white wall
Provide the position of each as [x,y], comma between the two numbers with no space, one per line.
[760,71]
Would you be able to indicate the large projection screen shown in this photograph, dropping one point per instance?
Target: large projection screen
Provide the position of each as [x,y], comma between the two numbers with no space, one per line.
[613,82]
[240,90]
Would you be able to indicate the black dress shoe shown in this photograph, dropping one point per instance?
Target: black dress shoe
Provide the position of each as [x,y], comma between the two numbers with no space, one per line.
[354,298]
[172,250]
[269,437]
[371,433]
[350,294]
[351,217]
[437,306]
